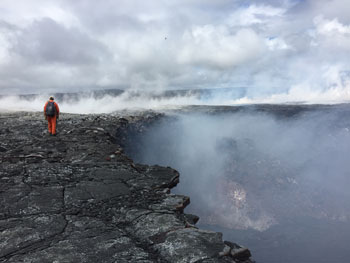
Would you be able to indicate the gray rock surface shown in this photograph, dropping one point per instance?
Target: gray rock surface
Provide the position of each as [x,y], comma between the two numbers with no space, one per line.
[76,197]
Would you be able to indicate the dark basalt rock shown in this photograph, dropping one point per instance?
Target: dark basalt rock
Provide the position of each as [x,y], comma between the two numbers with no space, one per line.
[76,197]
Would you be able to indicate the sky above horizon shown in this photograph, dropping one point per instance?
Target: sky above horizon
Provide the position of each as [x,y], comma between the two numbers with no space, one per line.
[277,49]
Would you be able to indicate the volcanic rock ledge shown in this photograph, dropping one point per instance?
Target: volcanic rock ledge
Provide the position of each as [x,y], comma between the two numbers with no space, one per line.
[76,197]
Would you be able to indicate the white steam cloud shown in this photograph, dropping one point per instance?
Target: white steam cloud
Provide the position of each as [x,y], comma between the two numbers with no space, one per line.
[252,170]
[88,103]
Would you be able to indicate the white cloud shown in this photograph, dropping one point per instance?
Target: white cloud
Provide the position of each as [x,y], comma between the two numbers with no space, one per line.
[331,35]
[327,26]
[255,14]
[21,14]
[217,47]
[4,46]
[276,44]
[47,41]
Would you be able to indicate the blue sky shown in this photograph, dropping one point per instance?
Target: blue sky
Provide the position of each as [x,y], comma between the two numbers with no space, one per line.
[279,50]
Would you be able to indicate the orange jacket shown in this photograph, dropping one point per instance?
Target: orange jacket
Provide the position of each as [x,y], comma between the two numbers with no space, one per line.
[56,106]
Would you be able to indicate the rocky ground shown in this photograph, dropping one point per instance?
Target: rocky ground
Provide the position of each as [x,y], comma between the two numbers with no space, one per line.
[76,197]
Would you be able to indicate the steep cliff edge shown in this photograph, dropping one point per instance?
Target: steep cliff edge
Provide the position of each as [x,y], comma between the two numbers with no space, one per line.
[76,197]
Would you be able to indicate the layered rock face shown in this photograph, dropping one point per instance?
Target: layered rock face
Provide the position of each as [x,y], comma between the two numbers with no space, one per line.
[76,197]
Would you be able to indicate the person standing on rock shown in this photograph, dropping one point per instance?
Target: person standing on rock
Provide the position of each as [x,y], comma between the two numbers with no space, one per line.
[51,112]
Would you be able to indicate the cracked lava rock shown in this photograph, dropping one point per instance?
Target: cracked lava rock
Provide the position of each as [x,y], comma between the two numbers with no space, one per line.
[76,197]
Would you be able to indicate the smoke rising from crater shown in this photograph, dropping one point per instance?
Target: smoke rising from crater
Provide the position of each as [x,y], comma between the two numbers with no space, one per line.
[251,170]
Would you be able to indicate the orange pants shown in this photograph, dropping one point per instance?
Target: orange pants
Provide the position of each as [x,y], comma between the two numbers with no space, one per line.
[52,124]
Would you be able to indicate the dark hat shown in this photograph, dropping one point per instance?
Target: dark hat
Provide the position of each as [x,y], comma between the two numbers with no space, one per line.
[51,98]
